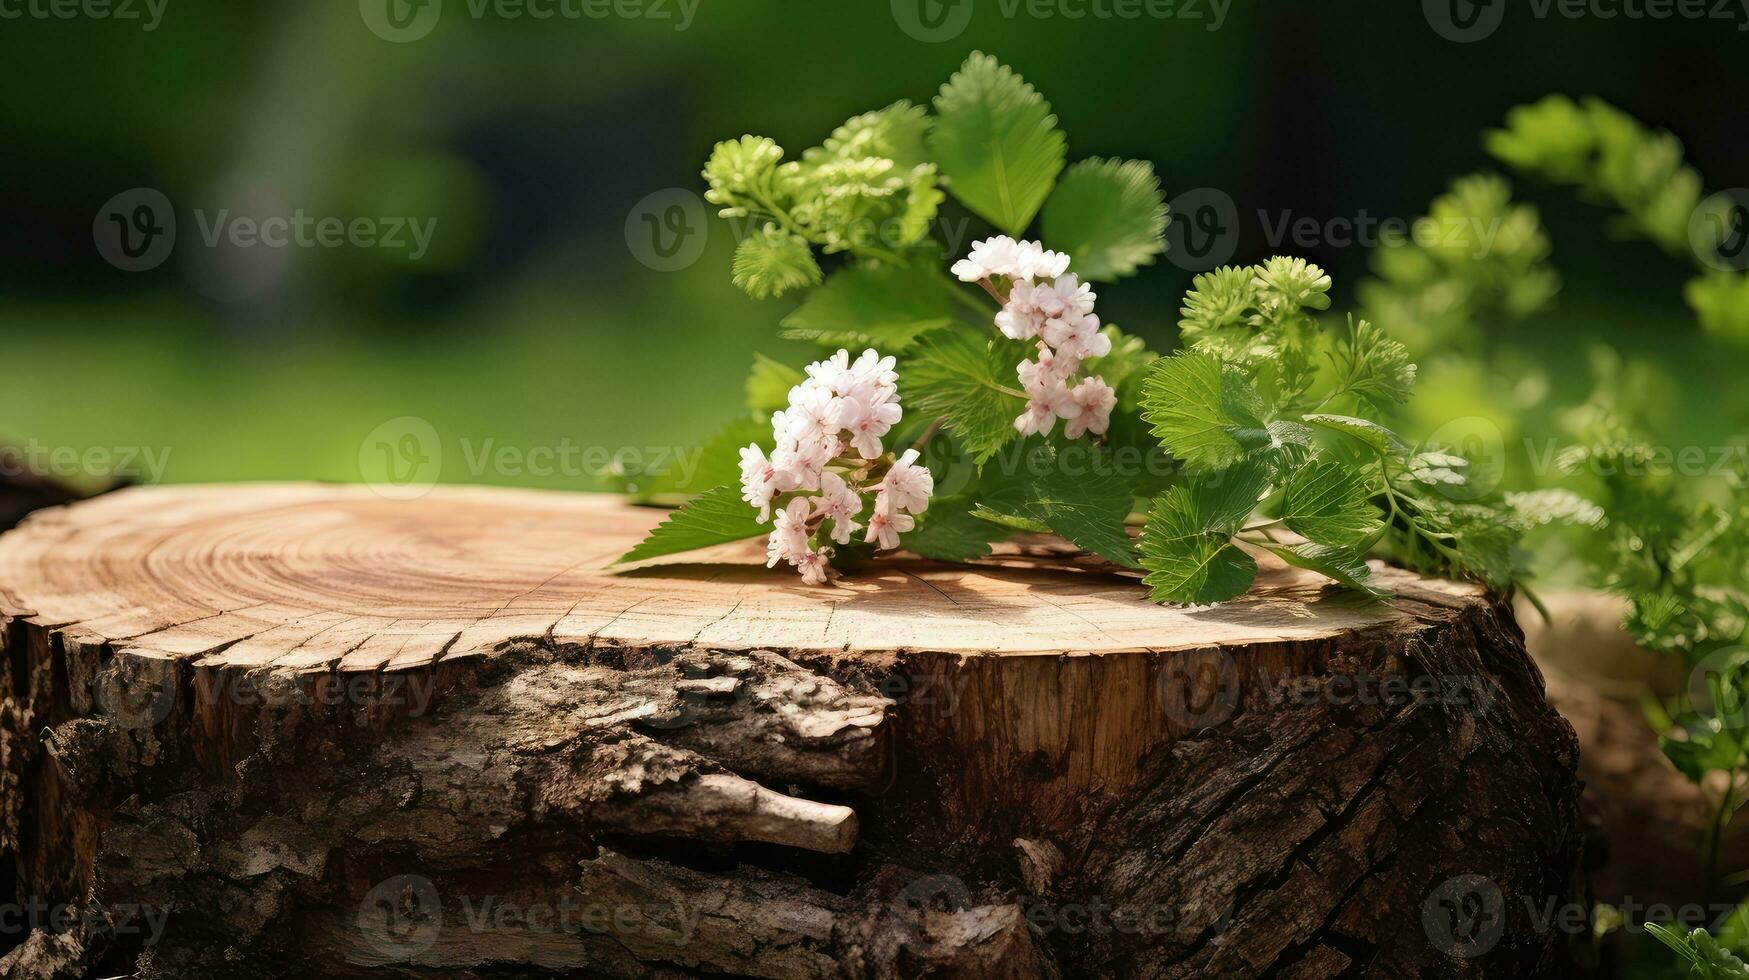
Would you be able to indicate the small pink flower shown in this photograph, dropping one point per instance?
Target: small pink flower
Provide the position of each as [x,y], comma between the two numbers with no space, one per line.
[885,526]
[907,486]
[1088,408]
[790,539]
[839,504]
[814,569]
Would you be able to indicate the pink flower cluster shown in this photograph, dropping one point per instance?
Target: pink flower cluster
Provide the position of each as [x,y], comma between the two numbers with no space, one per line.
[828,454]
[1049,304]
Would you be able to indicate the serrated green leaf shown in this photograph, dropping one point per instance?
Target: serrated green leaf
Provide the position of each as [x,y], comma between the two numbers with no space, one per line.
[1437,469]
[1536,508]
[768,385]
[1087,508]
[997,143]
[1330,503]
[1367,432]
[1344,565]
[961,377]
[886,307]
[1203,412]
[1187,542]
[715,517]
[773,262]
[950,531]
[1374,368]
[1109,215]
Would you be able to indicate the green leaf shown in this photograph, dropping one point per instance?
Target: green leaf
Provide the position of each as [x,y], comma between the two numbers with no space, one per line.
[1367,432]
[957,375]
[1010,521]
[773,262]
[1331,503]
[714,517]
[1536,508]
[1720,301]
[1374,368]
[997,143]
[1438,469]
[949,531]
[741,171]
[1216,310]
[896,132]
[1205,413]
[1288,283]
[1346,566]
[886,307]
[1187,543]
[1087,508]
[768,385]
[1109,215]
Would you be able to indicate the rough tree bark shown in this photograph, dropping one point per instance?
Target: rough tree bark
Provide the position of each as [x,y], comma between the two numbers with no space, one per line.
[302,730]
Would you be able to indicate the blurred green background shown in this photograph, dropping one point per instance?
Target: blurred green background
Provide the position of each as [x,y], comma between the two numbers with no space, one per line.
[531,322]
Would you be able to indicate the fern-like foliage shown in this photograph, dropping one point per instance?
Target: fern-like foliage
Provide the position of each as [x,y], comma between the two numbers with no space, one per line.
[1612,159]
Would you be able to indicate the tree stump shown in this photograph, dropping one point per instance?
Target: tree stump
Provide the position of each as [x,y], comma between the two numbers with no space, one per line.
[303,730]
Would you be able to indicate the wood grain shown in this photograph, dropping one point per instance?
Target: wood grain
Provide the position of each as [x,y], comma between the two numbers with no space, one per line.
[323,578]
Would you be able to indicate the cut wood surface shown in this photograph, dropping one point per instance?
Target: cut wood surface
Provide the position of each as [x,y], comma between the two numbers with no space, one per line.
[259,706]
[335,578]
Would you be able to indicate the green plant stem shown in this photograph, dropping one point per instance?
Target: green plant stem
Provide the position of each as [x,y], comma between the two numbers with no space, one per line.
[922,442]
[1715,831]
